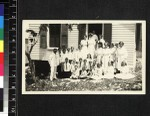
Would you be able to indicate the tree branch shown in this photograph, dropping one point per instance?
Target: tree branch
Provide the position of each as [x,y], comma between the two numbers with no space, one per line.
[32,46]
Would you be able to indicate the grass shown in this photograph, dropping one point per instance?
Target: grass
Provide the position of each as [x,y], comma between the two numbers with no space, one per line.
[114,84]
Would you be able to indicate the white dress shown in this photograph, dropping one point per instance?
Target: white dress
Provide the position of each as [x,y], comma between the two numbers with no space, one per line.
[122,56]
[106,59]
[91,46]
[84,49]
[102,41]
[99,53]
[112,54]
[76,56]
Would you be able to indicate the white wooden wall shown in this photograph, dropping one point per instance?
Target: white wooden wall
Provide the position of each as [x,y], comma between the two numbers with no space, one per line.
[73,37]
[120,32]
[126,33]
[35,54]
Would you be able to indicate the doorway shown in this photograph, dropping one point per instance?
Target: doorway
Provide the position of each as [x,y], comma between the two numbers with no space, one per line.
[97,28]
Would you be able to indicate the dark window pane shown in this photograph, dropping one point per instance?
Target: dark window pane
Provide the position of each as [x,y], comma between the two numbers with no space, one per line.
[54,35]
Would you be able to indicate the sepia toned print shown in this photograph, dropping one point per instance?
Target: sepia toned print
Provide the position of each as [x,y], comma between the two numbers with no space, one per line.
[83,57]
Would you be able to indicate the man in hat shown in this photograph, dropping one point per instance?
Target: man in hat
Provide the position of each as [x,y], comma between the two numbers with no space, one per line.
[53,61]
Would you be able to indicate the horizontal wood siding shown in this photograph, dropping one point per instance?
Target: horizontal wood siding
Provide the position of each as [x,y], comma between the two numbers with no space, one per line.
[73,37]
[35,54]
[125,33]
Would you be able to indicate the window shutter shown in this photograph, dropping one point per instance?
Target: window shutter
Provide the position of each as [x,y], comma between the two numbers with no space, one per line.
[82,32]
[108,33]
[64,36]
[43,39]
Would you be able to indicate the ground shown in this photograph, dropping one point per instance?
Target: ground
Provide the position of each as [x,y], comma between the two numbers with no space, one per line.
[103,84]
[118,83]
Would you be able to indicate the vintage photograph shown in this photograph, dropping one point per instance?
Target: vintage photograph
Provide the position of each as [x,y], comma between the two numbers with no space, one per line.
[83,57]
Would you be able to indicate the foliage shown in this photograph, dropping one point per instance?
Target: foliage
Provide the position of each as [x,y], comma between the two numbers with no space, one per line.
[43,27]
[86,85]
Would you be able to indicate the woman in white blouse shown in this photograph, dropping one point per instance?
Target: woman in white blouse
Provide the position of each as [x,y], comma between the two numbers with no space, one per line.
[91,45]
[84,44]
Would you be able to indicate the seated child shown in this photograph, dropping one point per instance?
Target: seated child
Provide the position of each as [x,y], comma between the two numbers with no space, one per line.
[97,73]
[85,64]
[94,63]
[66,69]
[75,72]
[89,58]
[89,65]
[80,64]
[124,67]
[72,66]
[83,73]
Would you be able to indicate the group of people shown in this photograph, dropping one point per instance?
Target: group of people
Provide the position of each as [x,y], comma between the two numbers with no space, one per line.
[92,59]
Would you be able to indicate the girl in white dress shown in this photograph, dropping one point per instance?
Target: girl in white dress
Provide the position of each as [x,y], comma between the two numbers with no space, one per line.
[72,66]
[75,73]
[106,57]
[99,53]
[84,44]
[97,74]
[89,58]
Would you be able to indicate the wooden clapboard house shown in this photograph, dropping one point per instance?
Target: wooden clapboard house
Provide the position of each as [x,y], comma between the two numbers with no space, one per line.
[59,35]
